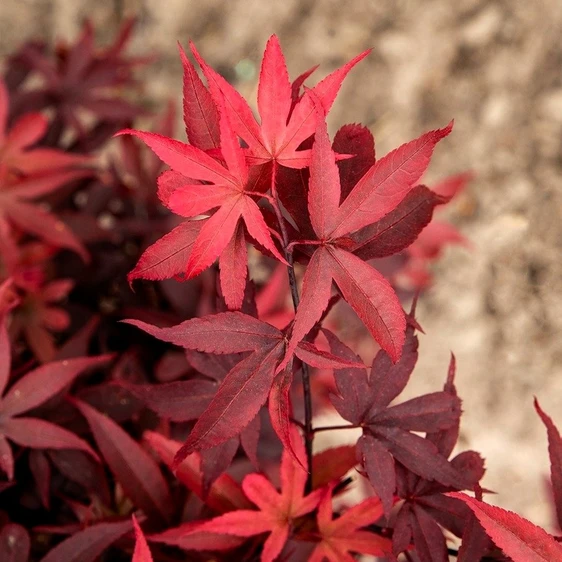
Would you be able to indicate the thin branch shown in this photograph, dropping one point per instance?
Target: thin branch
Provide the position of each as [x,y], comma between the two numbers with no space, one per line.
[334,427]
[307,393]
[298,423]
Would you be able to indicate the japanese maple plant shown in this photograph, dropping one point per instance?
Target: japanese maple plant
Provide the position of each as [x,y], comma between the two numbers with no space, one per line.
[187,430]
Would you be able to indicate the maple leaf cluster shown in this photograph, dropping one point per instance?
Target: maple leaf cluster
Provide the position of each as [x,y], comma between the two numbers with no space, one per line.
[186,431]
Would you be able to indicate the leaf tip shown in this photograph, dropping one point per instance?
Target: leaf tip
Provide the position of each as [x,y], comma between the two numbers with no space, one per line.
[125,132]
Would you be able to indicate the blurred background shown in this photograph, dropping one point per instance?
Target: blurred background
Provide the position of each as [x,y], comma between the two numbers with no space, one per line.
[493,66]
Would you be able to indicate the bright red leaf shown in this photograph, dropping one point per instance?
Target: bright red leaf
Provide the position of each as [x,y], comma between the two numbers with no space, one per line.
[225,494]
[520,539]
[141,552]
[187,537]
[227,192]
[200,114]
[378,192]
[555,453]
[339,537]
[284,125]
[277,510]
[168,257]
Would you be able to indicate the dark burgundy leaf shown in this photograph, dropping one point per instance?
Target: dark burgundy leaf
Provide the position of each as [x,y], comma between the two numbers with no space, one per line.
[87,545]
[226,332]
[176,401]
[40,434]
[82,469]
[379,464]
[357,140]
[216,460]
[420,456]
[41,470]
[430,412]
[428,538]
[238,400]
[45,382]
[399,228]
[135,470]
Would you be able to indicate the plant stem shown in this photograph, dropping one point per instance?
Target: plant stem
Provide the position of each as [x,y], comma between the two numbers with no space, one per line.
[308,430]
[334,427]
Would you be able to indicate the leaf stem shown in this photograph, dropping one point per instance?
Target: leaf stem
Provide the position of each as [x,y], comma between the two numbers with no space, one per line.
[303,243]
[297,423]
[307,393]
[334,427]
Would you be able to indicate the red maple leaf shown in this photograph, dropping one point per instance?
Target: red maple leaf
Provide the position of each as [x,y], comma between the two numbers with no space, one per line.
[141,552]
[286,119]
[277,510]
[132,466]
[186,400]
[426,506]
[33,389]
[209,116]
[16,154]
[78,76]
[224,494]
[380,190]
[222,234]
[519,539]
[89,543]
[36,314]
[338,538]
[555,453]
[433,239]
[387,430]
[246,387]
[29,173]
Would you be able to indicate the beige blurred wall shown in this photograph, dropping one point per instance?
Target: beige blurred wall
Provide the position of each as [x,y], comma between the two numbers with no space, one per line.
[496,67]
